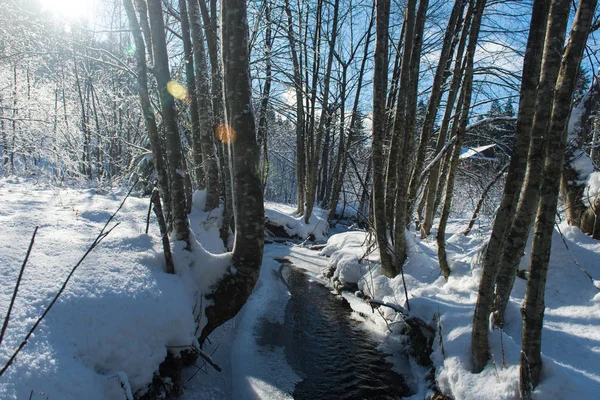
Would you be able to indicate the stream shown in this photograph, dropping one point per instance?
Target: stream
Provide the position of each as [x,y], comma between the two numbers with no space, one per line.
[327,348]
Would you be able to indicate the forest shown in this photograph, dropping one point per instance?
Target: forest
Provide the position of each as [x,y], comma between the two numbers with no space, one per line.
[309,199]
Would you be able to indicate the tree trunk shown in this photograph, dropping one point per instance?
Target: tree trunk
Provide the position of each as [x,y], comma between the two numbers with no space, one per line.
[380,72]
[313,160]
[512,187]
[300,120]
[232,291]
[528,200]
[191,88]
[172,141]
[441,75]
[397,153]
[342,162]
[465,105]
[209,152]
[434,173]
[158,156]
[266,93]
[533,308]
[145,27]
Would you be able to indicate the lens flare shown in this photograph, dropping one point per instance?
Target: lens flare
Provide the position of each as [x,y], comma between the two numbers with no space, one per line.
[179,92]
[225,133]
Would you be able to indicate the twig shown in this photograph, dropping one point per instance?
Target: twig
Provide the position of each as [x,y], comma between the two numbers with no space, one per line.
[14,296]
[202,354]
[103,233]
[574,260]
[440,332]
[376,303]
[148,215]
[502,347]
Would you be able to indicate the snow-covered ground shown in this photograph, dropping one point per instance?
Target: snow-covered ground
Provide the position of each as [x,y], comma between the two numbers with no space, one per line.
[121,312]
[571,336]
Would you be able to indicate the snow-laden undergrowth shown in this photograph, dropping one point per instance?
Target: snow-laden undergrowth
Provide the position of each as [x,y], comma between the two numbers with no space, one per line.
[571,337]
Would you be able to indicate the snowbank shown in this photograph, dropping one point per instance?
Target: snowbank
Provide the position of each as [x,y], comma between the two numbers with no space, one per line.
[571,334]
[120,313]
[285,217]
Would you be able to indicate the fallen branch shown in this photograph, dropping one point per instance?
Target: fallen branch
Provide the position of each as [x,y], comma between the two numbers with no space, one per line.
[103,233]
[14,296]
[202,354]
[482,198]
[377,303]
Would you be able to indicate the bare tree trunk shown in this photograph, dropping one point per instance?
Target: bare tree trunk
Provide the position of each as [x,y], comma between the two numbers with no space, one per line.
[231,292]
[397,153]
[264,102]
[533,308]
[434,173]
[193,97]
[530,193]
[300,120]
[316,145]
[379,123]
[212,39]
[209,153]
[342,161]
[158,156]
[145,27]
[172,140]
[441,75]
[514,181]
[465,105]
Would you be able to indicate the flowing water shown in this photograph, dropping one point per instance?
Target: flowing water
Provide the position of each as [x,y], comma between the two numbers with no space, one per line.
[335,358]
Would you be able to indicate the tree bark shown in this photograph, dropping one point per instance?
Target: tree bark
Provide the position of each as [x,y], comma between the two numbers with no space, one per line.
[465,104]
[232,291]
[530,193]
[533,308]
[209,152]
[512,187]
[172,140]
[441,75]
[158,156]
[434,173]
[300,120]
[380,72]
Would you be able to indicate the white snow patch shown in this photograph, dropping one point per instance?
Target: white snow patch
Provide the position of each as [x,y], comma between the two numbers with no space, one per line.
[285,217]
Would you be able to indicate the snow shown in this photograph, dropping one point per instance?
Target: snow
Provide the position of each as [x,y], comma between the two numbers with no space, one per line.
[592,188]
[572,318]
[113,323]
[475,152]
[121,313]
[285,217]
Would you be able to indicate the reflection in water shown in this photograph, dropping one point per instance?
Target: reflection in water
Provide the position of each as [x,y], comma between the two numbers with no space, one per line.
[335,358]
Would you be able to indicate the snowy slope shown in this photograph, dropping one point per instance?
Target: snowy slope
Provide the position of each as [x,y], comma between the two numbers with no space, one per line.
[119,312]
[571,337]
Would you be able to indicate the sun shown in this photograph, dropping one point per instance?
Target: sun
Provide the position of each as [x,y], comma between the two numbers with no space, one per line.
[70,9]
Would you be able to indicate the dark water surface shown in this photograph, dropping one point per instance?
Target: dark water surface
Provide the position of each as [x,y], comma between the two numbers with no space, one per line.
[335,358]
